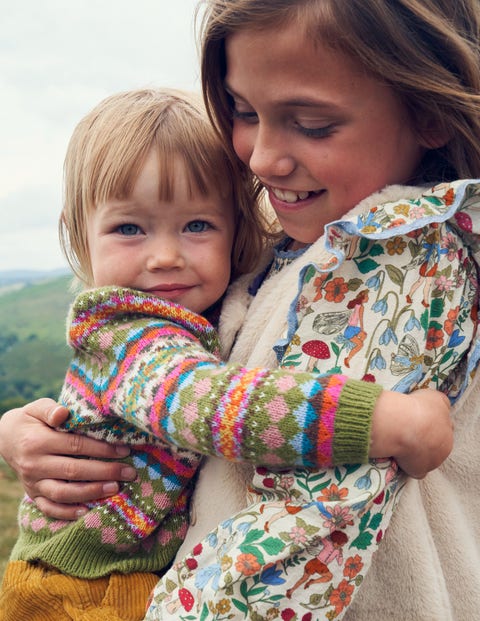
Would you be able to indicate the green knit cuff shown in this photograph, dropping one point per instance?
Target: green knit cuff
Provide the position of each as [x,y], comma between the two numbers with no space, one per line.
[353,422]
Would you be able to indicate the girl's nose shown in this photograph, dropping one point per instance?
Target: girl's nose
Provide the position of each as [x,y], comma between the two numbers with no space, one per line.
[271,155]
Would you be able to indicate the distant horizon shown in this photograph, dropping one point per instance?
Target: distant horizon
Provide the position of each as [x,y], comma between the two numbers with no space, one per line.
[24,270]
[12,278]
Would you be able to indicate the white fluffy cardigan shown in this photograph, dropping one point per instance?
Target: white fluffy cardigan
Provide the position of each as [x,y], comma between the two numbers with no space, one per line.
[428,566]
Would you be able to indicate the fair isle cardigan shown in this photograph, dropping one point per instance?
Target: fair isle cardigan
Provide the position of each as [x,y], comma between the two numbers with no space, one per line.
[146,372]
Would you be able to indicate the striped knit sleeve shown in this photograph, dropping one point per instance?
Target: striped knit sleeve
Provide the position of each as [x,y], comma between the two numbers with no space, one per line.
[183,395]
[163,379]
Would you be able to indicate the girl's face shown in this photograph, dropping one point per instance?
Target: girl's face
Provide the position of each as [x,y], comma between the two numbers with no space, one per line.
[178,250]
[319,133]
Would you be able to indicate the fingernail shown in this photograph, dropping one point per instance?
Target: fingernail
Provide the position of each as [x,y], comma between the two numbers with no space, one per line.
[51,414]
[110,488]
[122,450]
[81,512]
[128,473]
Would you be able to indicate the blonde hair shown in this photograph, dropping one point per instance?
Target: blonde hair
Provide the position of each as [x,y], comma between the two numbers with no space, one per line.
[106,153]
[426,50]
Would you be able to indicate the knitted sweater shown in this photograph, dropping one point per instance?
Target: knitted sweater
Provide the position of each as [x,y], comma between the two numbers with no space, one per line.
[146,372]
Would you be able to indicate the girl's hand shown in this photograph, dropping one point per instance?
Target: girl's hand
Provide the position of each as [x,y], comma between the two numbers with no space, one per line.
[46,461]
[416,429]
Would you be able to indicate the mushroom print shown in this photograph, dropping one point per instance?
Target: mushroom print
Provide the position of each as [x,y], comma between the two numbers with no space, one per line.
[316,350]
[185,599]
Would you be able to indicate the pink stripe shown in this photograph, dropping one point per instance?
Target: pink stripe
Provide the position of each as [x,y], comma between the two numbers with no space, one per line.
[165,389]
[82,389]
[225,410]
[330,408]
[135,348]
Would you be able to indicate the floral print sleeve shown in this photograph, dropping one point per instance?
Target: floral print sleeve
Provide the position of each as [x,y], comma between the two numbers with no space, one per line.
[401,306]
[395,302]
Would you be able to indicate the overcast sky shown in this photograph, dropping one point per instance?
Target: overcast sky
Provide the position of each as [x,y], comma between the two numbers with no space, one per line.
[59,58]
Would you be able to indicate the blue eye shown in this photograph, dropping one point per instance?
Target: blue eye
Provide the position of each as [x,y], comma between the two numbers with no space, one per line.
[197,226]
[128,229]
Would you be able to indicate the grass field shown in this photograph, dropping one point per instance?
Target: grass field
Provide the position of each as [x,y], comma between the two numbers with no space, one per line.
[33,350]
[33,360]
[10,494]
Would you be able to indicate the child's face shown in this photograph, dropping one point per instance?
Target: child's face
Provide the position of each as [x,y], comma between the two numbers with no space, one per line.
[178,250]
[319,133]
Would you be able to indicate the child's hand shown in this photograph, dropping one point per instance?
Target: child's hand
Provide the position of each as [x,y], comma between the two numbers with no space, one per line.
[415,429]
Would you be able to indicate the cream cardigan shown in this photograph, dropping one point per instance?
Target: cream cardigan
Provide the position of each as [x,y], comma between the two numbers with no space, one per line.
[428,566]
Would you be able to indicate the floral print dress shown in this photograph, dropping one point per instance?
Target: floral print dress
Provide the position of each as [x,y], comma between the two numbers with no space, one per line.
[395,302]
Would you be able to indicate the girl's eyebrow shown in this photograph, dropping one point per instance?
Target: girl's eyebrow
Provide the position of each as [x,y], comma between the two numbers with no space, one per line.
[302,102]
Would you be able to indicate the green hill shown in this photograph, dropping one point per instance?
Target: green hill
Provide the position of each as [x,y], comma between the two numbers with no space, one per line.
[33,351]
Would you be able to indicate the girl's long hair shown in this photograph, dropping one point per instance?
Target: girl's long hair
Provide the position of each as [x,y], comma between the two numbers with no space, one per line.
[426,50]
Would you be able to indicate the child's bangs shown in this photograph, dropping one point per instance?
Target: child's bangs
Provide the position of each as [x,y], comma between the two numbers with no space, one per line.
[116,165]
[179,131]
[193,143]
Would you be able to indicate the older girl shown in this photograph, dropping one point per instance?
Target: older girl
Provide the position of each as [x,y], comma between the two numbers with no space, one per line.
[358,118]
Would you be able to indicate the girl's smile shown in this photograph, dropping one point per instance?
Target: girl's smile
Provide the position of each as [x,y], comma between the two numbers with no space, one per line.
[290,196]
[318,131]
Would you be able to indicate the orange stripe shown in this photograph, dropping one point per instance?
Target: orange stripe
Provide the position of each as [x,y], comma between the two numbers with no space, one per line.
[235,398]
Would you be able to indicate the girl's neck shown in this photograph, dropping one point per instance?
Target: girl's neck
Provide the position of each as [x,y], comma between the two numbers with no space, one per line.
[295,245]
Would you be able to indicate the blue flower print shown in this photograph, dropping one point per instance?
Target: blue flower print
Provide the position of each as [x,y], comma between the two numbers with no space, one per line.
[244,527]
[380,306]
[455,339]
[212,540]
[364,482]
[378,362]
[412,324]
[387,336]
[373,283]
[271,575]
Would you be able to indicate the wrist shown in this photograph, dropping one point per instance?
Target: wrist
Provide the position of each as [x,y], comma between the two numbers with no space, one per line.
[391,425]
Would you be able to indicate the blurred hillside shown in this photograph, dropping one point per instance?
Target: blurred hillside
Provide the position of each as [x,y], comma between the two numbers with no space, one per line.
[33,351]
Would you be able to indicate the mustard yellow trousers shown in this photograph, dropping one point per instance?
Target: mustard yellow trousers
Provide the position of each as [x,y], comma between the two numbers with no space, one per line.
[34,593]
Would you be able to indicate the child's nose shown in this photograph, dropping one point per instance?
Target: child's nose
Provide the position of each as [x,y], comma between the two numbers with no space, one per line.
[165,254]
[271,156]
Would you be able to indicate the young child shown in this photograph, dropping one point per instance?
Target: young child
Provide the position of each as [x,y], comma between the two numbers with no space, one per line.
[157,219]
[327,103]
